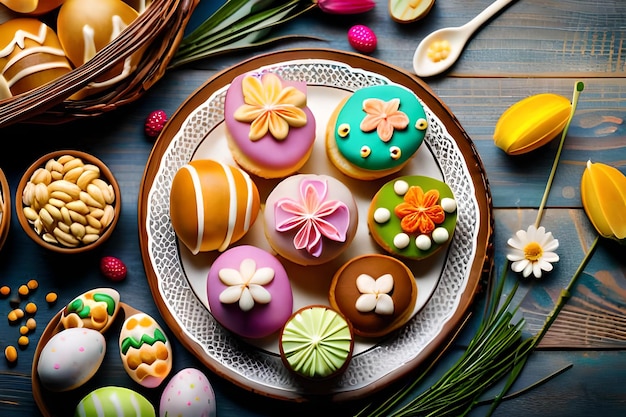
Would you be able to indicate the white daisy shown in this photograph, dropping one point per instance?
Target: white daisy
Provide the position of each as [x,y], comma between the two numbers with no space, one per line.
[246,285]
[533,251]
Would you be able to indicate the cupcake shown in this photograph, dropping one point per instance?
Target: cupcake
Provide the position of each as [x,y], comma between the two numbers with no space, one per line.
[316,343]
[270,130]
[249,292]
[375,131]
[310,219]
[376,293]
[412,216]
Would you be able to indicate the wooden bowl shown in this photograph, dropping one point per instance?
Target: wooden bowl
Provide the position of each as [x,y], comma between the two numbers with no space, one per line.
[77,207]
[5,208]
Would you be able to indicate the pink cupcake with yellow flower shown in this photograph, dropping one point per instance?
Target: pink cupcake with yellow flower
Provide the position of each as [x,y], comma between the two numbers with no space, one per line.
[270,129]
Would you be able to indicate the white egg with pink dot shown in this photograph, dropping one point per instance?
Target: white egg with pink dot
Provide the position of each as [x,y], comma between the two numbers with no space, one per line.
[70,358]
[188,394]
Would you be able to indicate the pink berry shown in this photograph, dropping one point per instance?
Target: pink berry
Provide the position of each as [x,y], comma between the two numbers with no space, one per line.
[154,123]
[113,268]
[362,38]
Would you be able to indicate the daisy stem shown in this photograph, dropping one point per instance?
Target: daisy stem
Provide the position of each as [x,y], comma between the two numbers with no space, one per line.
[578,88]
[566,292]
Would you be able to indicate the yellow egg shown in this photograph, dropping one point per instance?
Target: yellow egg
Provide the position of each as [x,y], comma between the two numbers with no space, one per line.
[32,7]
[85,27]
[30,56]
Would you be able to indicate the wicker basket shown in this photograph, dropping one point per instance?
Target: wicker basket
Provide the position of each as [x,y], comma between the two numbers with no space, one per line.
[159,28]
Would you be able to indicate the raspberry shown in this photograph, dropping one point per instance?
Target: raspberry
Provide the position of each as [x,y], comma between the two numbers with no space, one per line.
[154,123]
[113,268]
[362,38]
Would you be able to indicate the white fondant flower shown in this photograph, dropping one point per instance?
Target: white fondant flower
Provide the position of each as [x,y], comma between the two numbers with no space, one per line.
[375,294]
[533,251]
[246,284]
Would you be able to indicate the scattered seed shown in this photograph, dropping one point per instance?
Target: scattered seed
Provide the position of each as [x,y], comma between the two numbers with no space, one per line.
[22,341]
[23,290]
[24,330]
[5,290]
[10,353]
[31,308]
[32,284]
[51,298]
[31,324]
[15,314]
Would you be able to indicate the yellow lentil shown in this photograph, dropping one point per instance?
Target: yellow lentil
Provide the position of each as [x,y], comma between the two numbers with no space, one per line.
[23,290]
[31,308]
[22,341]
[32,284]
[24,330]
[51,297]
[10,353]
[5,290]
[31,324]
[15,314]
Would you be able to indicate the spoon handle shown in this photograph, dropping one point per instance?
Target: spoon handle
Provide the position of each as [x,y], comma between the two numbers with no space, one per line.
[483,16]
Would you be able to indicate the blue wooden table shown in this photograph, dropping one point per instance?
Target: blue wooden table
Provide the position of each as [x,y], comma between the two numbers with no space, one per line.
[533,46]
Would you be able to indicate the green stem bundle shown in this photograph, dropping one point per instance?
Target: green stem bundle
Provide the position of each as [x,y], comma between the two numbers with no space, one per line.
[238,24]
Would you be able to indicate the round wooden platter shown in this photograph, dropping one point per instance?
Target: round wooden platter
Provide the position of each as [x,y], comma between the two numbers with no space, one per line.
[177,279]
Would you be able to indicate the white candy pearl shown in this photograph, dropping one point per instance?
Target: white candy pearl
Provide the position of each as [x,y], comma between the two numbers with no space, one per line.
[423,242]
[401,240]
[382,215]
[440,235]
[448,205]
[400,187]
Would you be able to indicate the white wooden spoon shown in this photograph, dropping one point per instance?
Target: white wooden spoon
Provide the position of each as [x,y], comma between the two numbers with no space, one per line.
[456,37]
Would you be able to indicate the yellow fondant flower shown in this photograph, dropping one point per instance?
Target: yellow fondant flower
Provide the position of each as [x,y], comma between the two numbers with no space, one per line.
[603,193]
[419,211]
[270,108]
[531,123]
[533,251]
[384,117]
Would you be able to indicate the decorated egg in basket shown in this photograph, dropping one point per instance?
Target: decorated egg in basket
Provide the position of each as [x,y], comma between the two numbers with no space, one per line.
[85,27]
[30,56]
[31,7]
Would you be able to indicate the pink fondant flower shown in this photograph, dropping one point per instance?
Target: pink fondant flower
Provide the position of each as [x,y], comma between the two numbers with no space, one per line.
[345,6]
[383,116]
[313,216]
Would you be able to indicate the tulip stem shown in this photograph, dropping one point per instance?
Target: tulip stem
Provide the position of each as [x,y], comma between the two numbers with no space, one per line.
[578,88]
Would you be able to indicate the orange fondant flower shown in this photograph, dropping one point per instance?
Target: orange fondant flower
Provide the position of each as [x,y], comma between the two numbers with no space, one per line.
[383,116]
[270,108]
[420,212]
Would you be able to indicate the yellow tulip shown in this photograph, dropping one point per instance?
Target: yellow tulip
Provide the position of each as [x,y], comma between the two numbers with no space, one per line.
[603,193]
[531,123]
